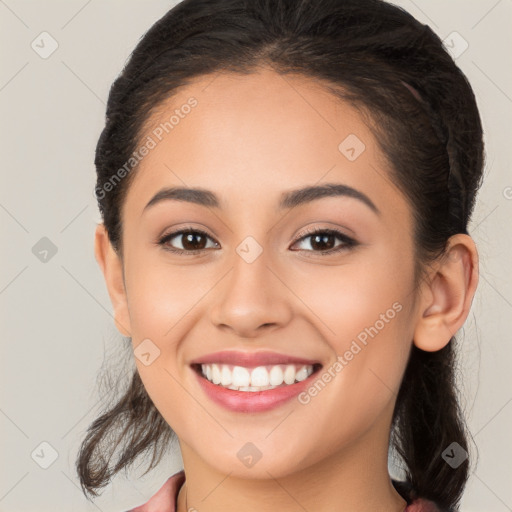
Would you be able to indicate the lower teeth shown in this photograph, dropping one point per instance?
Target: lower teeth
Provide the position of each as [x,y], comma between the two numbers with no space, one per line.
[250,388]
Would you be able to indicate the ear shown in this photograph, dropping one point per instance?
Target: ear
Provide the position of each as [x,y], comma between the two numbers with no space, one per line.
[447,296]
[112,267]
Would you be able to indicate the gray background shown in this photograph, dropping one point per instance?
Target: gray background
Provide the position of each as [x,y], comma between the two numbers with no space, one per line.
[56,323]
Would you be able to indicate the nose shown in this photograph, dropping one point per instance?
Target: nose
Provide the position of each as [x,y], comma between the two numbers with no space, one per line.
[252,299]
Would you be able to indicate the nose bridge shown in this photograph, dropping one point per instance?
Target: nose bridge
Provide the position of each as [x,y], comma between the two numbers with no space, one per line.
[251,267]
[251,295]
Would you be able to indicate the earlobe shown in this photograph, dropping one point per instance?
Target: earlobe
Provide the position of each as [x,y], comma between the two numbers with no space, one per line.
[447,296]
[112,267]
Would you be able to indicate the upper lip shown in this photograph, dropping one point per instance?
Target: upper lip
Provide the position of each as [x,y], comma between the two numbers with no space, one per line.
[251,359]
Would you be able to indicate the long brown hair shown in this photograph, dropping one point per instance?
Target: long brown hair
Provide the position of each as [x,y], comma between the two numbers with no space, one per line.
[425,118]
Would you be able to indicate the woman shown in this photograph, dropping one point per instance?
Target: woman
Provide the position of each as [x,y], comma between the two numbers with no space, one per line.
[285,189]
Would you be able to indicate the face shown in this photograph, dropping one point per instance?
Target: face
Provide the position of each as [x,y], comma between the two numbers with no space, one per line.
[252,279]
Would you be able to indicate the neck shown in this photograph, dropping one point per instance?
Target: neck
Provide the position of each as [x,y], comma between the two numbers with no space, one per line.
[354,477]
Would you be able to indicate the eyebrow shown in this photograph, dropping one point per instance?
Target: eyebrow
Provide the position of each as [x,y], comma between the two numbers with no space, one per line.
[288,200]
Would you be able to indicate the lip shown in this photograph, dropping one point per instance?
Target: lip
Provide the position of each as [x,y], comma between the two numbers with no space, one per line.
[252,401]
[251,359]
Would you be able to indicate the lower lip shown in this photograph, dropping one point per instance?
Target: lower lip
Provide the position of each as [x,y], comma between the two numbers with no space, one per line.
[253,401]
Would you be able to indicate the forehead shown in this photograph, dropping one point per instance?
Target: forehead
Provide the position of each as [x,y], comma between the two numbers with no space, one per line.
[247,135]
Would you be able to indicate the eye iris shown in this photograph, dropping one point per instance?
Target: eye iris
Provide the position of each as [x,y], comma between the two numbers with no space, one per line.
[321,238]
[190,241]
[320,242]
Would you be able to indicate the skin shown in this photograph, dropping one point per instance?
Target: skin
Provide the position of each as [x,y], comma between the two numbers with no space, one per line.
[244,133]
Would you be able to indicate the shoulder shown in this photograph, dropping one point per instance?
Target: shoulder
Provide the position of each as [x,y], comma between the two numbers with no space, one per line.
[165,498]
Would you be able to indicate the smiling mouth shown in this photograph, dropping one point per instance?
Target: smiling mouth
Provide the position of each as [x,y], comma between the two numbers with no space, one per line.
[259,378]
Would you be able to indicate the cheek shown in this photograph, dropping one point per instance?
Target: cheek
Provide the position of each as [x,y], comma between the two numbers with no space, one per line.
[349,298]
[366,320]
[160,294]
[364,312]
[165,304]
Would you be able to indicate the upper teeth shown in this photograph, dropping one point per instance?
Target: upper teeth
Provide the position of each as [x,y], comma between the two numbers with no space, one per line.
[255,379]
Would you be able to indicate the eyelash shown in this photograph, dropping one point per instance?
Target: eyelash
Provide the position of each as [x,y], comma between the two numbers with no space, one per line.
[348,242]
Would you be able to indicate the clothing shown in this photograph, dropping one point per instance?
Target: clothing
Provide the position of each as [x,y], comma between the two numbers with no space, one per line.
[165,500]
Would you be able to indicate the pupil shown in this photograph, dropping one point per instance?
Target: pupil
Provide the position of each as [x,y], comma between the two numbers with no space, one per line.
[322,241]
[189,241]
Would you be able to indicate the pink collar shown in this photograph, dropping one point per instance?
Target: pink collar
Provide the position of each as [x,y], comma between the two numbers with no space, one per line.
[166,497]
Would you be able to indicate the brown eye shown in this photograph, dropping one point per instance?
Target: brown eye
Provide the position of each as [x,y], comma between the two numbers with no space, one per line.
[192,241]
[324,240]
